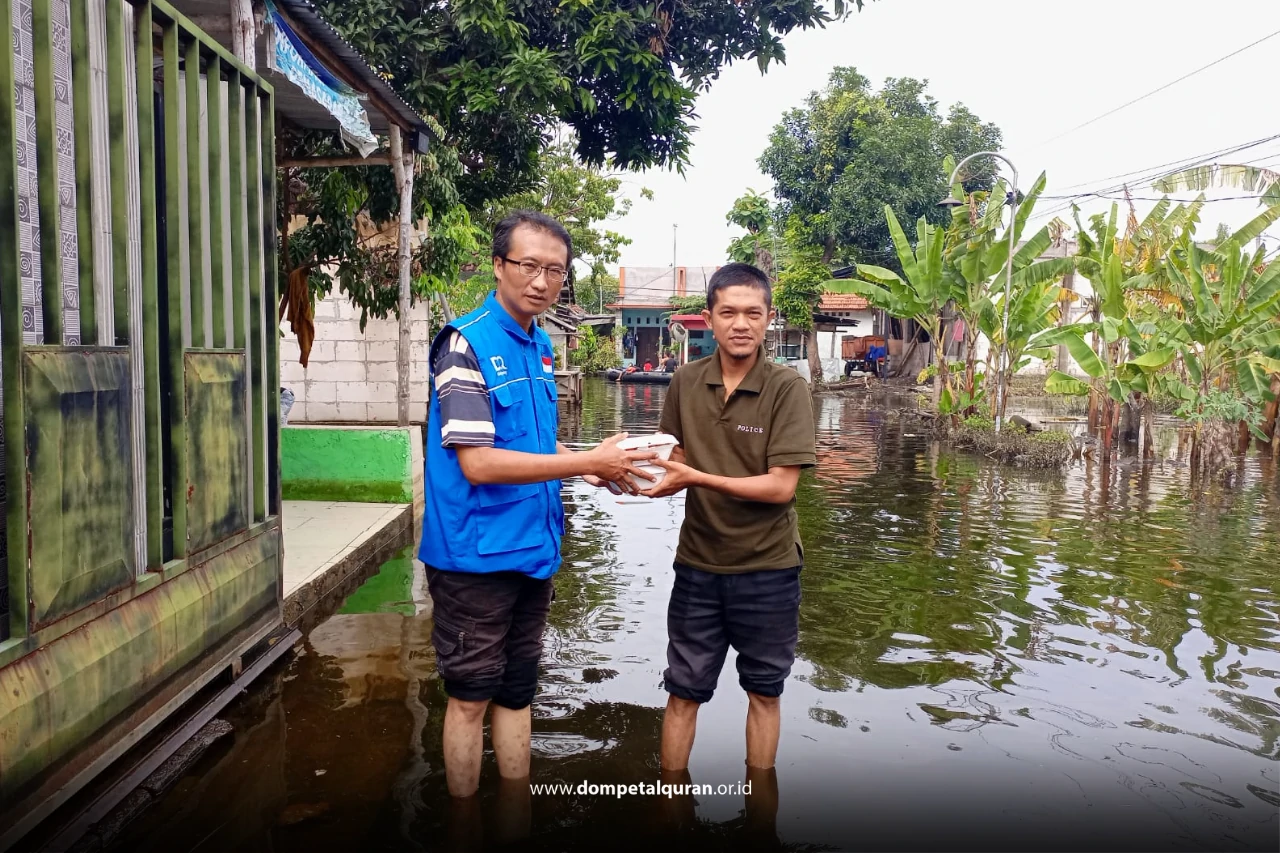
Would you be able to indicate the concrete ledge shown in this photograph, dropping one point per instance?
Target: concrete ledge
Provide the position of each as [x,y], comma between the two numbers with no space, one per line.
[359,464]
[319,578]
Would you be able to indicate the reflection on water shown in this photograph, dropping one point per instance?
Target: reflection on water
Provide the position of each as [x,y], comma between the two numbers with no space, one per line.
[988,658]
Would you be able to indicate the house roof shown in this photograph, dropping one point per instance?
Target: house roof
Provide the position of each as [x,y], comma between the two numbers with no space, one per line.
[354,69]
[566,325]
[305,15]
[843,302]
[690,321]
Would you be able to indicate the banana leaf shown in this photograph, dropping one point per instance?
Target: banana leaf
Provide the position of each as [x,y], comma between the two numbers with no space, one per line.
[1084,356]
[900,244]
[1253,380]
[1266,363]
[1265,288]
[1060,383]
[1254,227]
[1153,360]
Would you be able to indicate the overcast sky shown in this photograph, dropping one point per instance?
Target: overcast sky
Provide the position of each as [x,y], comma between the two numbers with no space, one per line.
[1067,63]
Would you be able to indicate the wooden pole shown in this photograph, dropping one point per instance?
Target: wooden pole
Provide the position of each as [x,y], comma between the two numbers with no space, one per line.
[404,183]
[242,32]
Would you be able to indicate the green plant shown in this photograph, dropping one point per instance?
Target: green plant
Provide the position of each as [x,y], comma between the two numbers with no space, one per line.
[694,303]
[1228,338]
[979,422]
[977,253]
[758,246]
[799,289]
[595,353]
[919,293]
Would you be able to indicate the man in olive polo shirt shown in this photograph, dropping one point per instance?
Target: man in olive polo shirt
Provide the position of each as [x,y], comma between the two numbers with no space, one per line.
[745,427]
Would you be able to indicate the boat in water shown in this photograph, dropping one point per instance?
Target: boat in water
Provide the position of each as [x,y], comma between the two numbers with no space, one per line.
[653,377]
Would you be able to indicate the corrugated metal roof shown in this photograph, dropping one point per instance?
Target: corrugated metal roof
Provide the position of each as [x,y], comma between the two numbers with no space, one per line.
[292,102]
[305,15]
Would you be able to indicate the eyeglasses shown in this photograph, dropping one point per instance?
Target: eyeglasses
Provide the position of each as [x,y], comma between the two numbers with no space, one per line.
[555,275]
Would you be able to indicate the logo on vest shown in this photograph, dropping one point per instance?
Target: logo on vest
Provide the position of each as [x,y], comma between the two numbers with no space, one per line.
[755,429]
[499,365]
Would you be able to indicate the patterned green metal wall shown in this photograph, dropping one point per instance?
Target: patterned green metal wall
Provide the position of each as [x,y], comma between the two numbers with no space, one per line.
[105,204]
[217,448]
[80,461]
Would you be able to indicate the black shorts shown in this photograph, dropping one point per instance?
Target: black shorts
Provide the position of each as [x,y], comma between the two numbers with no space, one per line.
[758,613]
[487,634]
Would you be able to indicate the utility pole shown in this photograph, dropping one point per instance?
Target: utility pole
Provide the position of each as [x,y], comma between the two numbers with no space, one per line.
[673,257]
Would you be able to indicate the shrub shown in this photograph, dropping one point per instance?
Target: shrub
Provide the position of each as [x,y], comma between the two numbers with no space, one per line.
[1014,445]
[595,352]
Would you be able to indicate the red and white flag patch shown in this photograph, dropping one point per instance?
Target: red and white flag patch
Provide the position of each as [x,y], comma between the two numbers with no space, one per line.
[547,366]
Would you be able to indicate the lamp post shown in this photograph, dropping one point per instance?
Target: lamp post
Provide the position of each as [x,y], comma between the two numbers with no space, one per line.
[951,201]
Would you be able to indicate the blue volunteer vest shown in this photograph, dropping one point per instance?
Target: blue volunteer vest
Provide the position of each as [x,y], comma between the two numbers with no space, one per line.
[497,528]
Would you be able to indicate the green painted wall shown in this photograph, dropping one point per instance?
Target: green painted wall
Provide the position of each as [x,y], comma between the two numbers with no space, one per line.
[336,464]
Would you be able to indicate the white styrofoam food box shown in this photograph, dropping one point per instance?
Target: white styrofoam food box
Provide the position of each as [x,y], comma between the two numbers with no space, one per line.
[661,444]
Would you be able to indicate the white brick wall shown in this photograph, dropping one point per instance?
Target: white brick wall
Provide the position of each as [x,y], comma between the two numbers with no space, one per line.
[351,377]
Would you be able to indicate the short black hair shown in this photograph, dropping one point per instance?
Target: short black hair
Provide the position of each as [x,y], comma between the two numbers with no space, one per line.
[535,219]
[735,275]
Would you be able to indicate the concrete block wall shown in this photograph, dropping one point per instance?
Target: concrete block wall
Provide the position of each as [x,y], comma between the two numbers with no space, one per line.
[351,375]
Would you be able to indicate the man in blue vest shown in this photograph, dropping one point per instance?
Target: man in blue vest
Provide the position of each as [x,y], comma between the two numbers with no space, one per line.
[493,521]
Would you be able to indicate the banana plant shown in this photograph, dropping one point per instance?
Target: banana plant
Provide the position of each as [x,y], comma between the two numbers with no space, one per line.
[1131,288]
[919,294]
[1116,354]
[1229,338]
[977,255]
[1215,313]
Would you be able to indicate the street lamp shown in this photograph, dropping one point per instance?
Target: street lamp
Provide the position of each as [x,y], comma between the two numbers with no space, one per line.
[951,201]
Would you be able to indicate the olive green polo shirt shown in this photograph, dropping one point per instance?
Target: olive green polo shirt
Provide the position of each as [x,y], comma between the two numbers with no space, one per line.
[767,423]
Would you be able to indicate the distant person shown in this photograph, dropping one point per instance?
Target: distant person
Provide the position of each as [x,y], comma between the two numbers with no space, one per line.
[745,427]
[670,365]
[494,518]
[648,366]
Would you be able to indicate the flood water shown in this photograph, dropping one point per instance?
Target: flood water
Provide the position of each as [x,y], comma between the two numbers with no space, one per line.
[988,659]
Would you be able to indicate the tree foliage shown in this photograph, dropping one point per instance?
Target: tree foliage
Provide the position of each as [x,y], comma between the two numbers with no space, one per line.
[497,82]
[499,76]
[753,213]
[837,161]
[350,233]
[596,352]
[584,199]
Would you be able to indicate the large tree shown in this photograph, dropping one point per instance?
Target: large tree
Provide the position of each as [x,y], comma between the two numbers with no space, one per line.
[499,76]
[849,151]
[498,81]
[585,199]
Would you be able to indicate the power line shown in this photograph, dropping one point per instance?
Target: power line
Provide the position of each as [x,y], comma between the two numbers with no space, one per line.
[1178,165]
[1159,89]
[1152,198]
[1148,174]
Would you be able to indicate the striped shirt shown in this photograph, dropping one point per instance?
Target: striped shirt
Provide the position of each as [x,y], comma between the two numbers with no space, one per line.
[465,415]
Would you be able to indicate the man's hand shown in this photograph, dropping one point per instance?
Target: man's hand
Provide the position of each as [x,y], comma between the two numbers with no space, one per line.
[610,464]
[616,488]
[679,477]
